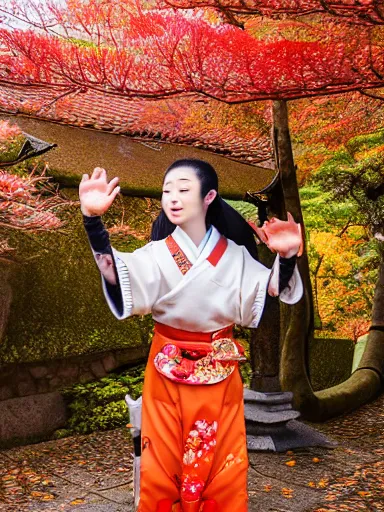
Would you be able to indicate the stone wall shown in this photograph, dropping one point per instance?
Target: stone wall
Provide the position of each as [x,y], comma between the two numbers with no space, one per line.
[20,380]
[31,406]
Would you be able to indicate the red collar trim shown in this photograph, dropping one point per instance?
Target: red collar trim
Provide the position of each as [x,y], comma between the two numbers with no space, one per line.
[183,262]
[218,251]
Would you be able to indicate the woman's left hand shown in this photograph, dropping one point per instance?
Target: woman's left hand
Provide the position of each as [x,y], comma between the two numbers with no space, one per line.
[283,237]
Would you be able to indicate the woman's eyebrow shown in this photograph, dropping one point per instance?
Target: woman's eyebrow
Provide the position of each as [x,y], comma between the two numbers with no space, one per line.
[180,179]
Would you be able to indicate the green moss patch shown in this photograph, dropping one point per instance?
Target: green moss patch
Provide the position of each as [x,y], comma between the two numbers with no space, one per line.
[330,361]
[58,308]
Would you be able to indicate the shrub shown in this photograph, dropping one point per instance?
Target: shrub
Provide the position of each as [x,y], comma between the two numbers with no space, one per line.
[100,405]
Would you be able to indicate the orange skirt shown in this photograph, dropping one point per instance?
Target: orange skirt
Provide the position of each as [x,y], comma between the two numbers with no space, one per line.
[170,409]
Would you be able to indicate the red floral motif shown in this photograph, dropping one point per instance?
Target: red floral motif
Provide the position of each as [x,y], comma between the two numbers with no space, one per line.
[196,367]
[197,461]
[171,350]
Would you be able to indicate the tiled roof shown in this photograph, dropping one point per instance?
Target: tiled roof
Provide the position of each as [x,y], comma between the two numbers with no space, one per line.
[163,120]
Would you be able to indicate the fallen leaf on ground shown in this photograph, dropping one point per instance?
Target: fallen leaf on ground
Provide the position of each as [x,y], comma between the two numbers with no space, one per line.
[77,502]
[287,493]
[322,483]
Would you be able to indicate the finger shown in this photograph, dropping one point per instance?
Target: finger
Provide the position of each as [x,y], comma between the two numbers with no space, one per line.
[261,234]
[113,195]
[290,217]
[85,177]
[273,228]
[112,184]
[97,172]
[301,248]
[265,235]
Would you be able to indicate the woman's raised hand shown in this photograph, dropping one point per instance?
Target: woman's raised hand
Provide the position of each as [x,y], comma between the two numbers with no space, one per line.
[283,237]
[96,194]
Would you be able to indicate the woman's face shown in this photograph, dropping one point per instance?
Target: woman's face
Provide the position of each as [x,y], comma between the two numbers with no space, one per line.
[181,199]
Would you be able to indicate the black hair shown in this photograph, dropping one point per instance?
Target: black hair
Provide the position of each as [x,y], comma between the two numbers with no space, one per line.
[220,214]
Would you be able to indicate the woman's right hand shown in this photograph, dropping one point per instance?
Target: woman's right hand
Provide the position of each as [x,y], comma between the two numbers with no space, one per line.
[96,194]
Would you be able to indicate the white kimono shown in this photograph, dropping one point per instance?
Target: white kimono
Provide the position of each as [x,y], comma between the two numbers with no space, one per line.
[206,298]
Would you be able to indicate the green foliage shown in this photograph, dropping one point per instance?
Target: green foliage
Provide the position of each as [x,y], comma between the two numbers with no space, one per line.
[247,210]
[81,43]
[340,161]
[321,211]
[361,182]
[365,142]
[343,207]
[61,433]
[243,335]
[100,405]
[10,150]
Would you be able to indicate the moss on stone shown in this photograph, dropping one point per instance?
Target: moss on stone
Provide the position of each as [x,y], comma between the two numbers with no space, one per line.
[58,308]
[330,362]
[9,150]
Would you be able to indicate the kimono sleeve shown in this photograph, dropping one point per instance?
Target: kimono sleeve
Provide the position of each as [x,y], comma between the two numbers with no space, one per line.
[293,292]
[257,281]
[139,279]
[253,289]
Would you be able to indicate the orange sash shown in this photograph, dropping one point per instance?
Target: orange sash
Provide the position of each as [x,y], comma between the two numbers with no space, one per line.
[197,361]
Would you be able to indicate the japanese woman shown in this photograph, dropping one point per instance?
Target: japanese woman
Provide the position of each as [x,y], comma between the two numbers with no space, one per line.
[197,277]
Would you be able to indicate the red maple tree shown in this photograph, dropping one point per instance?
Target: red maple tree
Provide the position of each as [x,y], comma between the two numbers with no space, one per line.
[162,54]
[27,203]
[360,11]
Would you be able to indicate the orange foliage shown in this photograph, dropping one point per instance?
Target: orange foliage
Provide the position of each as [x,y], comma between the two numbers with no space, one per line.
[332,121]
[8,131]
[344,293]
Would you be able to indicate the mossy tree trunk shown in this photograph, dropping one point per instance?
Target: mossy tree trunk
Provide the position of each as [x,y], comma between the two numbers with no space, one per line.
[290,202]
[363,385]
[296,321]
[265,353]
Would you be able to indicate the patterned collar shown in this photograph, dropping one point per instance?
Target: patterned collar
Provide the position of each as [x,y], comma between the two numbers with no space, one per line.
[188,246]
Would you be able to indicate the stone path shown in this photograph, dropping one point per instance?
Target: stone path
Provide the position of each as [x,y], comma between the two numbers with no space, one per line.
[93,473]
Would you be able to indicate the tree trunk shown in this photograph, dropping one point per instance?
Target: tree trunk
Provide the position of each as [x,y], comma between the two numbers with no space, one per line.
[265,352]
[363,385]
[296,321]
[289,199]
